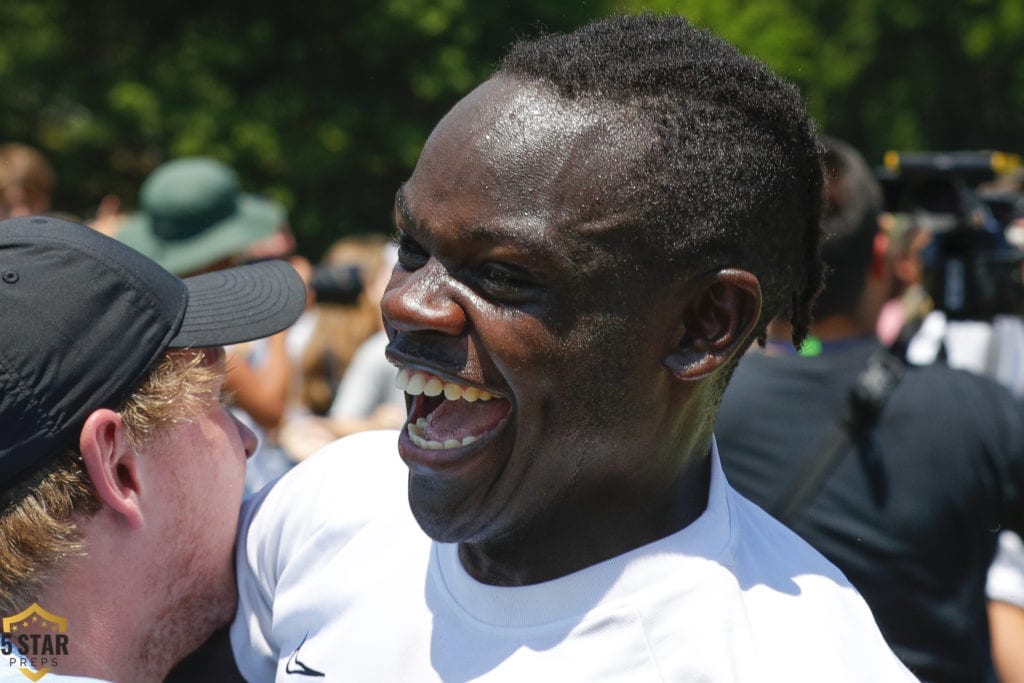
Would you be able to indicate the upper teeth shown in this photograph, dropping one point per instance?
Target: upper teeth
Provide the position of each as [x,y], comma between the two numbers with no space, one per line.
[415,383]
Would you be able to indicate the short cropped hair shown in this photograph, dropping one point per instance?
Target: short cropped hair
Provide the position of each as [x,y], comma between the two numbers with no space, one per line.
[853,204]
[734,179]
[40,514]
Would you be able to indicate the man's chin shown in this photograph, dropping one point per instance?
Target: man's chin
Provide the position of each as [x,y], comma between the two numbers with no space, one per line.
[442,511]
[436,525]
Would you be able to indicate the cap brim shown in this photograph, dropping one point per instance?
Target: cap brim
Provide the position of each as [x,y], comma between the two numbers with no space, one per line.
[235,305]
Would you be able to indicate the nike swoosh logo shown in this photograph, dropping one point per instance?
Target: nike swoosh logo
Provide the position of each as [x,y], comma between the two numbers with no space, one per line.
[294,666]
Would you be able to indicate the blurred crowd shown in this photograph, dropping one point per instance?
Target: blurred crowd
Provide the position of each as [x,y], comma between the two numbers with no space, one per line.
[893,440]
[323,378]
[326,376]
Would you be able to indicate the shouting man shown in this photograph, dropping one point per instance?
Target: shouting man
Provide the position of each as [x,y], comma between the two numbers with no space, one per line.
[588,243]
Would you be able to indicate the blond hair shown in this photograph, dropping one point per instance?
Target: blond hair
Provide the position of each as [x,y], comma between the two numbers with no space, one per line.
[40,514]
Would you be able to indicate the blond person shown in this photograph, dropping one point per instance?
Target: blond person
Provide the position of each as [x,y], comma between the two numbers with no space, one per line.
[121,472]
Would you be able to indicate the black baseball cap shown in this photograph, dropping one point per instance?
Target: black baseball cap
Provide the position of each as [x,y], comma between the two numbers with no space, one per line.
[83,318]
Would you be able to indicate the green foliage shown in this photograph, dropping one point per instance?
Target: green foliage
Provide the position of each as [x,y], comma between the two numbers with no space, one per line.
[325,105]
[887,74]
[322,105]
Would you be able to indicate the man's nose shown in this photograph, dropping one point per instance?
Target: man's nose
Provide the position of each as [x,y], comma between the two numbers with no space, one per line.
[427,299]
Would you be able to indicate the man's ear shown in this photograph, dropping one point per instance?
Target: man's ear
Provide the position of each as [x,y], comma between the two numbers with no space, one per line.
[719,314]
[112,465]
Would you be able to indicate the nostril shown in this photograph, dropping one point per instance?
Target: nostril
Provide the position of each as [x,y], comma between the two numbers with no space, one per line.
[424,300]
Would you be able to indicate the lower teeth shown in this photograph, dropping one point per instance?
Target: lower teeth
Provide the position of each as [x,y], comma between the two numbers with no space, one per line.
[416,436]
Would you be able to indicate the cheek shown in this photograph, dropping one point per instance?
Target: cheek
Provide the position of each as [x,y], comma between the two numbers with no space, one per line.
[230,464]
[599,348]
[219,495]
[601,372]
[221,454]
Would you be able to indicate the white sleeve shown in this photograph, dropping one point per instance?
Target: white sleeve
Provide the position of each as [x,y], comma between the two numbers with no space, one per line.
[1006,575]
[287,528]
[251,630]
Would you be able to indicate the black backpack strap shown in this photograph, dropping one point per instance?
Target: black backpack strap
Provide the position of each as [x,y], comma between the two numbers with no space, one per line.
[867,397]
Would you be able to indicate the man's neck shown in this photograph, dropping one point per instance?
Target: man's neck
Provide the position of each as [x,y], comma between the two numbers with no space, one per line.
[107,598]
[584,533]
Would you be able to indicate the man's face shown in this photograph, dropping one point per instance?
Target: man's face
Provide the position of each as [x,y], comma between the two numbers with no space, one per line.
[516,283]
[200,463]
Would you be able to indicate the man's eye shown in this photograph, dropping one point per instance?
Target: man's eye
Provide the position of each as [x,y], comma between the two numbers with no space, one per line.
[410,254]
[505,282]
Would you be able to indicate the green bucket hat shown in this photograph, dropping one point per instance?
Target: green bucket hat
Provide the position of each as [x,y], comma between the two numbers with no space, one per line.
[194,214]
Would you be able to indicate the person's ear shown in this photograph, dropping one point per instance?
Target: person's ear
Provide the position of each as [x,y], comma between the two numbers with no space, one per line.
[879,255]
[112,465]
[719,314]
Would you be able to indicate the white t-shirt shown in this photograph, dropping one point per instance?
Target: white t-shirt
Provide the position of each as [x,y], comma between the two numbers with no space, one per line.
[1006,575]
[994,349]
[336,577]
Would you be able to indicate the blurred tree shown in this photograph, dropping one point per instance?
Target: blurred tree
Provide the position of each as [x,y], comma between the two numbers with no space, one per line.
[887,74]
[324,105]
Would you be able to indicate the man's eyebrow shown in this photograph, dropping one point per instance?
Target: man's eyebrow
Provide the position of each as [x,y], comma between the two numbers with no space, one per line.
[495,234]
[491,234]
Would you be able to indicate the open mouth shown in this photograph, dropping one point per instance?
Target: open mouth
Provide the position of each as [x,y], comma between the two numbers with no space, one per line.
[446,415]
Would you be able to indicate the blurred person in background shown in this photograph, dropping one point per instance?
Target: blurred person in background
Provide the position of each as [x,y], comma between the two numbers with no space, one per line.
[904,489]
[109,218]
[908,302]
[367,397]
[26,181]
[976,323]
[194,218]
[988,341]
[1005,590]
[341,319]
[348,340]
[1005,585]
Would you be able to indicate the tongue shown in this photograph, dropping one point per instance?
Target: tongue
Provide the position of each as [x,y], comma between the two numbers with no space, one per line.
[459,419]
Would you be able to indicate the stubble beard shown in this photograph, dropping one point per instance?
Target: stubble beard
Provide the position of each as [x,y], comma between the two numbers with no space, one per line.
[199,600]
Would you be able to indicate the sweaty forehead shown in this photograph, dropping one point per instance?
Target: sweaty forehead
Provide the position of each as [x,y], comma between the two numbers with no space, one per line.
[517,144]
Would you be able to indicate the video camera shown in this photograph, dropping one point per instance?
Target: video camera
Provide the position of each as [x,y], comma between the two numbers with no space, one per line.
[337,283]
[972,272]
